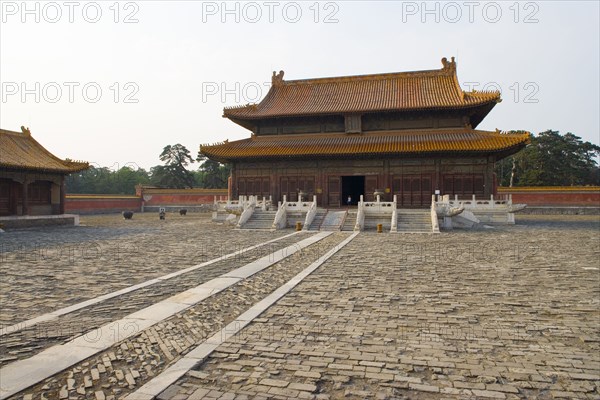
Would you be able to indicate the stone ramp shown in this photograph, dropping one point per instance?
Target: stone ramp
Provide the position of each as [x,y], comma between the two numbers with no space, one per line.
[333,220]
[318,220]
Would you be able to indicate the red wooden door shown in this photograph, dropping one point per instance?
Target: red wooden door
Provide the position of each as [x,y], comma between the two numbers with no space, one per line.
[426,190]
[414,191]
[334,186]
[370,187]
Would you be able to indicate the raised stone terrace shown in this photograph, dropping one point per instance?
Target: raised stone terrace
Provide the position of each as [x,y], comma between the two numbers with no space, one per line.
[189,309]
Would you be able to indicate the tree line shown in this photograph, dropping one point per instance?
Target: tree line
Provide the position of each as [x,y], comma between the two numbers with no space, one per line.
[551,159]
[175,173]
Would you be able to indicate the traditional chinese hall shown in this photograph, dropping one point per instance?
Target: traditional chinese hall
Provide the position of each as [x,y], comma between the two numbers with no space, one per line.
[407,134]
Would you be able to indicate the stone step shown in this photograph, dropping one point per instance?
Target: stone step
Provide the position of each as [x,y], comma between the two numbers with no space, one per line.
[413,221]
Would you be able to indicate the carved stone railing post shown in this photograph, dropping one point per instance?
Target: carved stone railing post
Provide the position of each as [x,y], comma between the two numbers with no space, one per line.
[246,214]
[360,216]
[280,221]
[310,214]
[394,225]
[435,228]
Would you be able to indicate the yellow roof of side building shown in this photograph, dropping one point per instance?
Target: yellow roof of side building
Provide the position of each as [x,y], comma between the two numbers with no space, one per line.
[19,150]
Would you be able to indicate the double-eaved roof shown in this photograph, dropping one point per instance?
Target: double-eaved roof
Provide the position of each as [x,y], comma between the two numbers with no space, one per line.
[20,151]
[405,92]
[400,91]
[381,143]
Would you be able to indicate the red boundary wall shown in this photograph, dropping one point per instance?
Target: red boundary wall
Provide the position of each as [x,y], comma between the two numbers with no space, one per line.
[558,196]
[148,197]
[99,204]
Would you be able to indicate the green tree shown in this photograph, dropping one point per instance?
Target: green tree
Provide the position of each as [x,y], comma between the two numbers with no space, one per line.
[551,159]
[174,173]
[103,180]
[212,174]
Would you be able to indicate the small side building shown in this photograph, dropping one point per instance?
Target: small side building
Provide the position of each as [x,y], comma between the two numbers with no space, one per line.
[409,134]
[32,180]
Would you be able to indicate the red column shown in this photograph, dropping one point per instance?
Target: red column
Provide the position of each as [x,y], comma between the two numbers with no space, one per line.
[62,195]
[25,209]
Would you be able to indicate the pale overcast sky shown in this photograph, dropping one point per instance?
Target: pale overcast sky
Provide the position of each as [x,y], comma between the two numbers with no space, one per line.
[165,70]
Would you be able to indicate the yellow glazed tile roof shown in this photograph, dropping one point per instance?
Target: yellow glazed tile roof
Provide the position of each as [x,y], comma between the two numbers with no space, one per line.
[402,91]
[459,140]
[19,150]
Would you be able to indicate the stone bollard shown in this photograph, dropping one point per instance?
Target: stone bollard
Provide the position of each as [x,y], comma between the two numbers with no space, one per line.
[379,228]
[298,226]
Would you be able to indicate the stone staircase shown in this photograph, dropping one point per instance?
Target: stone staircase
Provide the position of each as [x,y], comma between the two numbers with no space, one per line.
[293,217]
[318,220]
[260,220]
[414,221]
[372,220]
[350,221]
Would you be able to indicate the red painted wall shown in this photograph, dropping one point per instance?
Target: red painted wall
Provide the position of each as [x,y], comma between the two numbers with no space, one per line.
[179,199]
[98,205]
[559,196]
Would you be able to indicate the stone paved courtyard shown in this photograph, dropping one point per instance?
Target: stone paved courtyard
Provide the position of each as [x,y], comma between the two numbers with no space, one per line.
[509,312]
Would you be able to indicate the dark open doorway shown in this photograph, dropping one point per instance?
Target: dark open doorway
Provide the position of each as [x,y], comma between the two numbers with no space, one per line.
[353,187]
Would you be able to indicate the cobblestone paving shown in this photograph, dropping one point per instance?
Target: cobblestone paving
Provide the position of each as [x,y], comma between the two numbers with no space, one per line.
[128,365]
[29,341]
[43,270]
[510,312]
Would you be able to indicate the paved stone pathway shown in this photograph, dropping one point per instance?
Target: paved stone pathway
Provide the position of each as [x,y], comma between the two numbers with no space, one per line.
[43,270]
[155,348]
[33,339]
[510,312]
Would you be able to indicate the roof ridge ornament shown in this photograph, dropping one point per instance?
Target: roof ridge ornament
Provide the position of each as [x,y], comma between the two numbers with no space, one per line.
[277,79]
[449,65]
[25,130]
